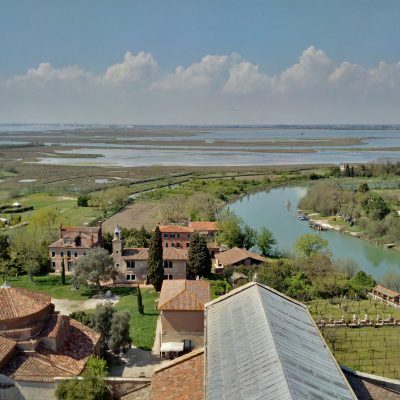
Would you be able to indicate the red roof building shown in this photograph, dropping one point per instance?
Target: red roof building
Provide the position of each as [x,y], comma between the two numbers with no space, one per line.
[36,344]
[73,243]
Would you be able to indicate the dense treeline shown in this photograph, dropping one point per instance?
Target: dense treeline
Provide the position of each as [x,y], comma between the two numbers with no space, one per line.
[369,210]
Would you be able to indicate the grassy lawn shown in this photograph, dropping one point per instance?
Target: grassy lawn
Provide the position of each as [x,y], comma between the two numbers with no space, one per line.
[142,327]
[367,349]
[65,206]
[51,285]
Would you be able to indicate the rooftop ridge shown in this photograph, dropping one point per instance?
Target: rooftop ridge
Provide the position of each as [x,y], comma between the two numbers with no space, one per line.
[248,285]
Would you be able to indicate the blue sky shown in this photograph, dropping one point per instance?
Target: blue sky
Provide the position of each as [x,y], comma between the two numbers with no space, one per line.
[272,35]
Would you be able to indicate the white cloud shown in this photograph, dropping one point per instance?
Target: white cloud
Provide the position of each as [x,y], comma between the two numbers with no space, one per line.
[245,78]
[134,68]
[46,72]
[210,73]
[216,89]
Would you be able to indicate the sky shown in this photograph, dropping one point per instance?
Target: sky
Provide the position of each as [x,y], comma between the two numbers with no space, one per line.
[200,62]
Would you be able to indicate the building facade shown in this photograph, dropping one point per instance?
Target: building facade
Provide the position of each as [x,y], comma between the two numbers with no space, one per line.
[73,243]
[131,263]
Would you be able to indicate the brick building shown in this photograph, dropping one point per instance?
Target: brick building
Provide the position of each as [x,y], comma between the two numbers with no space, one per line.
[132,262]
[37,345]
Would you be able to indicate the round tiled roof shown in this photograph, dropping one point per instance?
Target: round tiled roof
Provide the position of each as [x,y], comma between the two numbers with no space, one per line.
[19,302]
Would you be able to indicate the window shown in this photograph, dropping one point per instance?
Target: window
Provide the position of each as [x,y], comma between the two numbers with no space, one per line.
[84,254]
[172,244]
[53,253]
[178,235]
[187,244]
[165,235]
[172,235]
[62,254]
[168,264]
[53,264]
[68,254]
[116,265]
[70,266]
[178,245]
[76,254]
[168,277]
[166,244]
[188,236]
[130,264]
[131,277]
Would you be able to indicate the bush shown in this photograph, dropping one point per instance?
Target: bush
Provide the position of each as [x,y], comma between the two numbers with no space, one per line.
[83,201]
[15,220]
[82,317]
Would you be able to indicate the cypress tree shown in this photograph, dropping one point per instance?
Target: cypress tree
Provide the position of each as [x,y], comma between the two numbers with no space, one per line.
[140,301]
[155,267]
[62,272]
[199,257]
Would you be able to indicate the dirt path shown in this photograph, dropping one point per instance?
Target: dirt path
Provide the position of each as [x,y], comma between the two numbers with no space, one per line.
[66,306]
[134,215]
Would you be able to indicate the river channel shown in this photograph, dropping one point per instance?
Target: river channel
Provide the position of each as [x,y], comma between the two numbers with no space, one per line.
[270,209]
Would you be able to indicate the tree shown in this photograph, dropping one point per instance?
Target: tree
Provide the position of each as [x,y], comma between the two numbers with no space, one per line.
[92,387]
[102,318]
[348,266]
[155,264]
[44,218]
[199,263]
[140,301]
[83,201]
[391,280]
[362,283]
[249,237]
[82,317]
[265,241]
[96,266]
[63,272]
[363,188]
[310,244]
[229,226]
[119,332]
[376,207]
[4,256]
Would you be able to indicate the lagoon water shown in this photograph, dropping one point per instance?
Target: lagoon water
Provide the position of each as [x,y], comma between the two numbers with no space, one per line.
[269,209]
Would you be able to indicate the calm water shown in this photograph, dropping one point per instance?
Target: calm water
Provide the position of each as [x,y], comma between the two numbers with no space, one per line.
[177,150]
[269,209]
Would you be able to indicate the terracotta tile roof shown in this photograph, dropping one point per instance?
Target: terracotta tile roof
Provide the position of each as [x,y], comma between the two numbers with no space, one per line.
[43,364]
[184,295]
[20,302]
[175,229]
[387,292]
[236,255]
[6,347]
[88,230]
[135,253]
[172,253]
[84,242]
[54,324]
[200,226]
[181,379]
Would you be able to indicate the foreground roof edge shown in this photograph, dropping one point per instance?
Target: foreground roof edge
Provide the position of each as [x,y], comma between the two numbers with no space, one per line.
[249,285]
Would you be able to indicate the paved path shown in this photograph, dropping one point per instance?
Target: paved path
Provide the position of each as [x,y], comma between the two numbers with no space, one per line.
[136,363]
[66,306]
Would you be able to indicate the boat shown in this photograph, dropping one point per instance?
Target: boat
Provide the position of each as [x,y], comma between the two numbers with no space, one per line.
[302,217]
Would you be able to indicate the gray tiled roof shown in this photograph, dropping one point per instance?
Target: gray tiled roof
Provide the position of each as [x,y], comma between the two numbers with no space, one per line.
[261,344]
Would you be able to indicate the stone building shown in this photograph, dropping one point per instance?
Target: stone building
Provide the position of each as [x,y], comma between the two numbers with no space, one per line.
[73,243]
[132,262]
[37,345]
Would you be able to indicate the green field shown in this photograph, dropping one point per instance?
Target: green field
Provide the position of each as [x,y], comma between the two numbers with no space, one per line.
[142,327]
[65,207]
[51,285]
